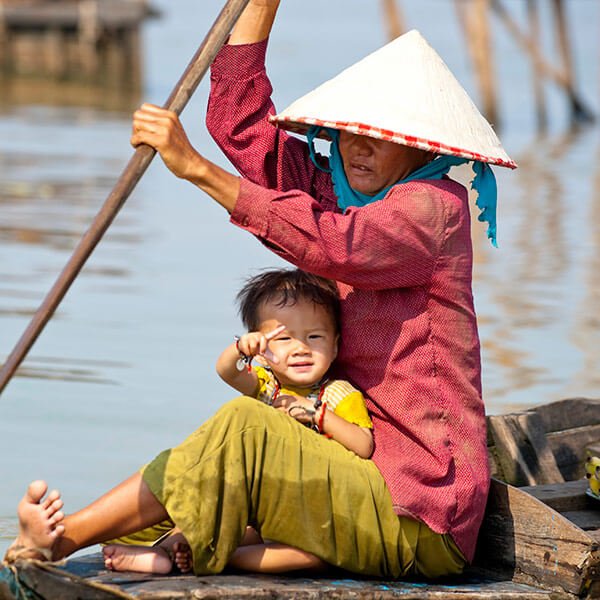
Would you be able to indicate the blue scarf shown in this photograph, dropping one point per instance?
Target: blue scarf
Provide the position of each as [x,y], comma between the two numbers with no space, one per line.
[484,182]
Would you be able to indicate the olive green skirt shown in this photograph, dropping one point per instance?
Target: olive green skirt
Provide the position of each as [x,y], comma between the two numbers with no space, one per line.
[253,465]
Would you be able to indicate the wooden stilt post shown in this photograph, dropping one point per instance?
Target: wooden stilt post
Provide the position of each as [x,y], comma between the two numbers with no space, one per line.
[578,111]
[134,59]
[483,45]
[473,16]
[4,47]
[394,19]
[578,106]
[538,89]
[88,36]
[54,58]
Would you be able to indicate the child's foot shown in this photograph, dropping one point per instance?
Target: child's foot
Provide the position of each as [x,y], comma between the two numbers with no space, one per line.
[120,557]
[39,524]
[182,556]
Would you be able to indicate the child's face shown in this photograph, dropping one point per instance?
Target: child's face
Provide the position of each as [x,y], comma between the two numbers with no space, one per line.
[307,346]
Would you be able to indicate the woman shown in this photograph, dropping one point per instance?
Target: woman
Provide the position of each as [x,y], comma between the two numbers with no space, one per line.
[383,219]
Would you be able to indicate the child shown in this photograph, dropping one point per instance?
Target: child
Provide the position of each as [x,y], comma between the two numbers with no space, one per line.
[292,318]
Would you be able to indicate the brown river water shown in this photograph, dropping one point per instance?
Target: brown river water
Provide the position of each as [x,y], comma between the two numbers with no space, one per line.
[126,366]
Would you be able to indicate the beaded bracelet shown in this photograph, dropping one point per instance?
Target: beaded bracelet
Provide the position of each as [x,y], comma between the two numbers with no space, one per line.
[322,418]
[244,361]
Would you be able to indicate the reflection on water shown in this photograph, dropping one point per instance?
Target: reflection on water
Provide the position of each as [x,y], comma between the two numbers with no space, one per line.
[126,366]
[543,280]
[8,529]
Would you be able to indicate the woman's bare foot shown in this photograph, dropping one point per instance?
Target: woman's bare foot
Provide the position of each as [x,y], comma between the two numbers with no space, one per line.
[39,523]
[120,557]
[182,556]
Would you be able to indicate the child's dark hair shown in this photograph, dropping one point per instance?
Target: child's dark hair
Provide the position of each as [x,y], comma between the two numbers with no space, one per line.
[285,287]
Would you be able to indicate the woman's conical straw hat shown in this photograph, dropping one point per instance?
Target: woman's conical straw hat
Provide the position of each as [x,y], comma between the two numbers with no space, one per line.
[402,93]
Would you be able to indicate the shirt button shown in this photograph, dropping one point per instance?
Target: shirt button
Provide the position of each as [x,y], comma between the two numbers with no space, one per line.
[246,221]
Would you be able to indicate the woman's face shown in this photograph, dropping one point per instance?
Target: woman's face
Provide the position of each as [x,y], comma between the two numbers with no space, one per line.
[372,165]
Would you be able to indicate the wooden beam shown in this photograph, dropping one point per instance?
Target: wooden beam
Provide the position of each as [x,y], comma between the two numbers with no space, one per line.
[525,539]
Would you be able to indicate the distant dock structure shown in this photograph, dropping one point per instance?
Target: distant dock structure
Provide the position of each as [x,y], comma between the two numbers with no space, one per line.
[85,40]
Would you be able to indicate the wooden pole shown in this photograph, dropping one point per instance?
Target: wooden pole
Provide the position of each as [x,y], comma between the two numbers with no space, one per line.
[578,106]
[473,16]
[133,172]
[578,111]
[394,19]
[538,90]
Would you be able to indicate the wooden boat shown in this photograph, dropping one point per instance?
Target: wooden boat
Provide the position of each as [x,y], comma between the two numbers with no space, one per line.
[540,538]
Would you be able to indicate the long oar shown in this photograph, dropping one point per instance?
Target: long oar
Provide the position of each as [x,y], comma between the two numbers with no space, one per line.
[132,173]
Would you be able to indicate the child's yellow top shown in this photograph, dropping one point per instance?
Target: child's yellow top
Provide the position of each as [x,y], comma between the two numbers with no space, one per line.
[342,398]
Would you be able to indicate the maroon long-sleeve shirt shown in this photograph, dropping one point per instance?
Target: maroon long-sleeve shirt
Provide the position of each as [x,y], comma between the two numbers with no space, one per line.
[403,267]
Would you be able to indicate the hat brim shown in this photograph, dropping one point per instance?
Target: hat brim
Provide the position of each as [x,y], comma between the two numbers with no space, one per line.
[301,125]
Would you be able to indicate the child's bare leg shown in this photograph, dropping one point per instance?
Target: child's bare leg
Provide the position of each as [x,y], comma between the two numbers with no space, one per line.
[142,559]
[129,507]
[273,557]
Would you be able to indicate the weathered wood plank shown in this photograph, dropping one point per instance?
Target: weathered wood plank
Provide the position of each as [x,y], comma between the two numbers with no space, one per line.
[545,469]
[568,414]
[523,538]
[562,497]
[232,586]
[568,447]
[588,520]
[522,452]
[509,450]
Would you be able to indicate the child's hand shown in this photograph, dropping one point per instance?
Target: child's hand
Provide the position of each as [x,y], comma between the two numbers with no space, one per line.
[299,408]
[256,343]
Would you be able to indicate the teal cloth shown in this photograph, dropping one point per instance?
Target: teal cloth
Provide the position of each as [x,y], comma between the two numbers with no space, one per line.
[484,182]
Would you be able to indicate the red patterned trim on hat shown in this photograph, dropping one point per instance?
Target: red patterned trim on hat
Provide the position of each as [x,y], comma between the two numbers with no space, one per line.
[300,124]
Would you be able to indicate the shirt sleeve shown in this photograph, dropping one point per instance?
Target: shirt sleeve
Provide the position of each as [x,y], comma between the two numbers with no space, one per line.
[237,118]
[265,385]
[392,243]
[354,410]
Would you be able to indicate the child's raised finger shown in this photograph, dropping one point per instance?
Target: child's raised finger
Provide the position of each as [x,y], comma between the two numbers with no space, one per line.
[269,336]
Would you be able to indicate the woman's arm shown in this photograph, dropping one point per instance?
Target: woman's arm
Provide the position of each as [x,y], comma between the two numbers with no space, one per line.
[237,118]
[393,243]
[255,23]
[162,130]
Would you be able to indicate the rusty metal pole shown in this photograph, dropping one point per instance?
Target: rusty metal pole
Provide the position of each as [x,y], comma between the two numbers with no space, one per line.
[133,172]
